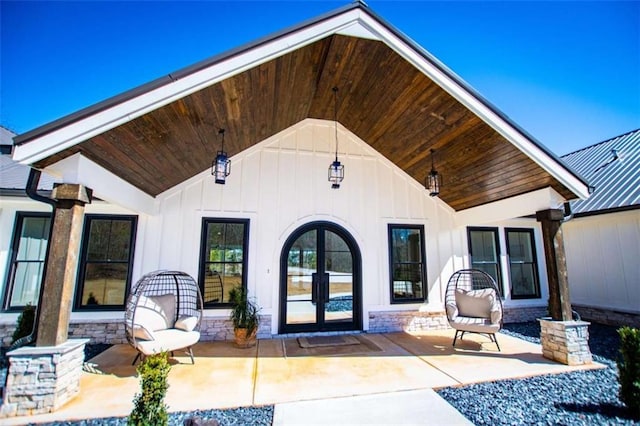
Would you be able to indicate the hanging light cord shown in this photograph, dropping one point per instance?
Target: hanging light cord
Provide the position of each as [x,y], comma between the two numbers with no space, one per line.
[335,117]
[221,132]
[432,167]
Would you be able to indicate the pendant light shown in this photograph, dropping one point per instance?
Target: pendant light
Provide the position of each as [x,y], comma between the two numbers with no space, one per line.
[336,170]
[433,181]
[221,165]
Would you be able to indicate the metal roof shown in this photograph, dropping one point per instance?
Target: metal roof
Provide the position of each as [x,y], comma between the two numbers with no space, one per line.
[612,168]
[13,176]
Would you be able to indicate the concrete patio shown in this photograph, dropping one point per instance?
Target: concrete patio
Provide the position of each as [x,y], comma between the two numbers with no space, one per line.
[278,372]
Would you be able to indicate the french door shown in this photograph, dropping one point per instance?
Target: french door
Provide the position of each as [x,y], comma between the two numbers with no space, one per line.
[320,280]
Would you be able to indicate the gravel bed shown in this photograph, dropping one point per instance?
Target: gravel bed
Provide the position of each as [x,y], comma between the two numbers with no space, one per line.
[578,398]
[258,416]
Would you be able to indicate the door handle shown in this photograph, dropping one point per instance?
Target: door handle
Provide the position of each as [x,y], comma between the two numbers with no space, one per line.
[314,288]
[325,288]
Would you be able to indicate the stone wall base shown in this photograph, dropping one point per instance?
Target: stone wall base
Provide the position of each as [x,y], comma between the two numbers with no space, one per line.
[43,378]
[565,341]
[392,321]
[222,329]
[608,316]
[112,332]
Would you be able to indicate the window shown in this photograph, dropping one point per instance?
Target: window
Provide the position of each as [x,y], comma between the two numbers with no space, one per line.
[26,261]
[223,259]
[104,273]
[407,263]
[523,266]
[484,249]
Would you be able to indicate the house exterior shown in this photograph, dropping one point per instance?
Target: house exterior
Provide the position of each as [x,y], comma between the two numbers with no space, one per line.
[373,254]
[603,237]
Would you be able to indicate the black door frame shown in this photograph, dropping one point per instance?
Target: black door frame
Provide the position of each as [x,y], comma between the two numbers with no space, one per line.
[322,226]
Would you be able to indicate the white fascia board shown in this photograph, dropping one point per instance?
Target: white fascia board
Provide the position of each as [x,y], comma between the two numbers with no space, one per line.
[510,208]
[81,130]
[514,136]
[105,185]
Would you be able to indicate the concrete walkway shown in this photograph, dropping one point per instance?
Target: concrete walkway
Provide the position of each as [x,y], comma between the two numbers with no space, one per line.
[384,376]
[417,407]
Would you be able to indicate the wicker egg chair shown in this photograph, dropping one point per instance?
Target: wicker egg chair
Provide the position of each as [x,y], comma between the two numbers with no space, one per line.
[473,304]
[163,314]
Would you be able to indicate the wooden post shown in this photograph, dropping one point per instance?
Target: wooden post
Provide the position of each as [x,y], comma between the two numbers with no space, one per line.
[62,262]
[559,303]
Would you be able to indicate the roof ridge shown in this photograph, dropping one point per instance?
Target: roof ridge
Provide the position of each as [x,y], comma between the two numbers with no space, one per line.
[600,143]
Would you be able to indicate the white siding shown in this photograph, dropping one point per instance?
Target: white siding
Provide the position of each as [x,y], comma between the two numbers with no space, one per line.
[281,184]
[603,260]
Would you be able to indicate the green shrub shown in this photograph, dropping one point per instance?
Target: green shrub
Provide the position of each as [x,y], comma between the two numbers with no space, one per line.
[244,312]
[629,369]
[149,407]
[24,327]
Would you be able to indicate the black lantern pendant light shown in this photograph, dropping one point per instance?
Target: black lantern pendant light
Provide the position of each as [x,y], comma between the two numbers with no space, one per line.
[433,181]
[221,166]
[336,170]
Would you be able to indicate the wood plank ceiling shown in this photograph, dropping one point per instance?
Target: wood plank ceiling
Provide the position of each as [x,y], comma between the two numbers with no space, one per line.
[384,100]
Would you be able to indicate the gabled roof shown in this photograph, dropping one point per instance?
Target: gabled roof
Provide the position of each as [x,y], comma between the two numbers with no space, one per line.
[393,95]
[612,167]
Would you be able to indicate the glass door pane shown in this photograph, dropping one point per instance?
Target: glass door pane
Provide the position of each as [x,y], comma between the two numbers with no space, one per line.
[338,284]
[302,265]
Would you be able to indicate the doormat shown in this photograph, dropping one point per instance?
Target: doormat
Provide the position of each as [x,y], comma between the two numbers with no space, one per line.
[361,346]
[319,341]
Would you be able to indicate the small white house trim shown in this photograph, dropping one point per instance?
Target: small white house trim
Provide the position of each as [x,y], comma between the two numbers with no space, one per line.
[520,205]
[106,185]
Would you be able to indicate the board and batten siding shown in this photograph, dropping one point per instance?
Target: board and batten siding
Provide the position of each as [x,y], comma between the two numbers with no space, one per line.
[603,260]
[280,185]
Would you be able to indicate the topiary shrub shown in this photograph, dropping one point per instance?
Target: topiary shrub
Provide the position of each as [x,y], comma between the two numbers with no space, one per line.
[149,407]
[629,369]
[24,326]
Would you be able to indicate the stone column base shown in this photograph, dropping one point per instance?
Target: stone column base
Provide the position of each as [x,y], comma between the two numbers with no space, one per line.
[42,378]
[565,341]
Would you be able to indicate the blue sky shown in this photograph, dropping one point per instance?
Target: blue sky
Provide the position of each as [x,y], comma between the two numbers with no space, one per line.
[567,72]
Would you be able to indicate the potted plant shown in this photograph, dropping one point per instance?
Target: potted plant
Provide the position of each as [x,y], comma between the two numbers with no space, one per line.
[244,315]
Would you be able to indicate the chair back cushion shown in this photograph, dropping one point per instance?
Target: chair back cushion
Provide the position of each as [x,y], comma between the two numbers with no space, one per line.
[155,312]
[475,303]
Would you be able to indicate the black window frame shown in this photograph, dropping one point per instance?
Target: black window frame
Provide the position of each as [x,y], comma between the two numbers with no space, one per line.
[88,218]
[496,239]
[13,254]
[423,269]
[534,255]
[202,263]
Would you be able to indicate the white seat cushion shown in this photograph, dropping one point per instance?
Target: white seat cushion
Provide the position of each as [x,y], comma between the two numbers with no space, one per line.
[476,325]
[168,340]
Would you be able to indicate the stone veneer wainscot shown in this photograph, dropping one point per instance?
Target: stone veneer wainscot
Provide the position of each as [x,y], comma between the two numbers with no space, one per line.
[43,378]
[565,341]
